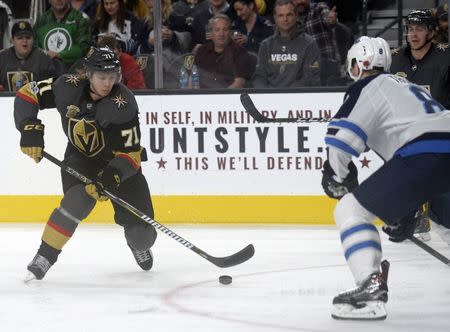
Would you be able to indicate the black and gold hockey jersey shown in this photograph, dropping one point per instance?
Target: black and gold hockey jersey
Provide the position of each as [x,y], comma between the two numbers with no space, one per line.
[432,72]
[15,72]
[105,130]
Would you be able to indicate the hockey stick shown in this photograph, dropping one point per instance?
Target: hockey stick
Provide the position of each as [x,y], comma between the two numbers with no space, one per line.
[232,260]
[429,250]
[251,109]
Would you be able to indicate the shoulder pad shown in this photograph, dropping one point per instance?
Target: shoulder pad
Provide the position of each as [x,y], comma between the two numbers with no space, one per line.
[67,86]
[71,79]
[34,88]
[117,108]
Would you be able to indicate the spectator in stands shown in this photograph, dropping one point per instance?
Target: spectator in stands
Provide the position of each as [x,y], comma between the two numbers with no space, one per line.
[348,13]
[137,7]
[132,75]
[113,18]
[441,36]
[183,11]
[222,63]
[23,62]
[319,21]
[200,24]
[63,32]
[17,7]
[5,17]
[86,6]
[290,57]
[177,42]
[250,29]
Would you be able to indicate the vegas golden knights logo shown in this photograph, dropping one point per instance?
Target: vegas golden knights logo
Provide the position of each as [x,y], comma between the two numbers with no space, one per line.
[188,62]
[142,60]
[85,136]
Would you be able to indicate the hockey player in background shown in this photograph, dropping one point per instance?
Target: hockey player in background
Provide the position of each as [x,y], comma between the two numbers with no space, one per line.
[427,64]
[421,61]
[410,130]
[100,119]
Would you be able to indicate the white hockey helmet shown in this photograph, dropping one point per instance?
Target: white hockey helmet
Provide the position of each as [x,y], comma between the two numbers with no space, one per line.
[369,53]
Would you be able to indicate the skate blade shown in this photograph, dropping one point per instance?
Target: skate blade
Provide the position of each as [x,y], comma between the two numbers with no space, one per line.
[29,277]
[373,310]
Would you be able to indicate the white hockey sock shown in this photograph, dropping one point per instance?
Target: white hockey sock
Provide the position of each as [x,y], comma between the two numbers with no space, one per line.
[359,237]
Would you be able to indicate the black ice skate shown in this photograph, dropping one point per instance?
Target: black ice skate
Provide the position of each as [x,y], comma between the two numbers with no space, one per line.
[37,268]
[144,258]
[366,302]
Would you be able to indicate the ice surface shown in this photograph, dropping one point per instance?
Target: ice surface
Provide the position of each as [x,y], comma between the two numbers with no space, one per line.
[287,286]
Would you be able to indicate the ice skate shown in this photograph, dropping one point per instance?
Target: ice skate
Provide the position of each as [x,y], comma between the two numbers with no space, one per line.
[366,302]
[37,268]
[423,225]
[144,258]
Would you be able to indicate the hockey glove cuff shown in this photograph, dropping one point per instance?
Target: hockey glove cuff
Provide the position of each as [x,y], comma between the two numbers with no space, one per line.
[32,139]
[336,189]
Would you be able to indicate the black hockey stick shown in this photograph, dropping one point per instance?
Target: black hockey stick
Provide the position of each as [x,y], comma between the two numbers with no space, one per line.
[232,260]
[429,250]
[251,109]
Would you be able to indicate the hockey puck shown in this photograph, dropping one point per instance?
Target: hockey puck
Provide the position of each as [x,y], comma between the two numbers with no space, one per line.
[225,280]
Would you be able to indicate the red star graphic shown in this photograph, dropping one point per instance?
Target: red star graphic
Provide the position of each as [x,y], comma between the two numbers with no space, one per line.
[365,162]
[161,163]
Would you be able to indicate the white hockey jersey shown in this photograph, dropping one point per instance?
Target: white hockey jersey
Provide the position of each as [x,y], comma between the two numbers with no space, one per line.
[389,115]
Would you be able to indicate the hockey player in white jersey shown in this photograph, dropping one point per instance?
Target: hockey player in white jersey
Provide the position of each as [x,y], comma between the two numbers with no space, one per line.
[404,125]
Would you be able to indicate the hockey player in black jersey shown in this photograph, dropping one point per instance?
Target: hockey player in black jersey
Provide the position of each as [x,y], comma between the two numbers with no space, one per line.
[99,116]
[427,64]
[421,61]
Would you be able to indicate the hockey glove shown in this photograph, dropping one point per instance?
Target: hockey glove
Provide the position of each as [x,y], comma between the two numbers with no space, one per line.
[32,139]
[109,179]
[336,189]
[96,191]
[403,229]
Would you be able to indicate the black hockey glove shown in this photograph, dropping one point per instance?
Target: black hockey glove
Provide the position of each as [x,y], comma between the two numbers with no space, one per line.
[335,189]
[109,179]
[403,229]
[32,139]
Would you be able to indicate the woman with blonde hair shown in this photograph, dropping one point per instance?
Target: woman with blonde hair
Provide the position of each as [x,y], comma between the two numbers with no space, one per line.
[177,41]
[137,7]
